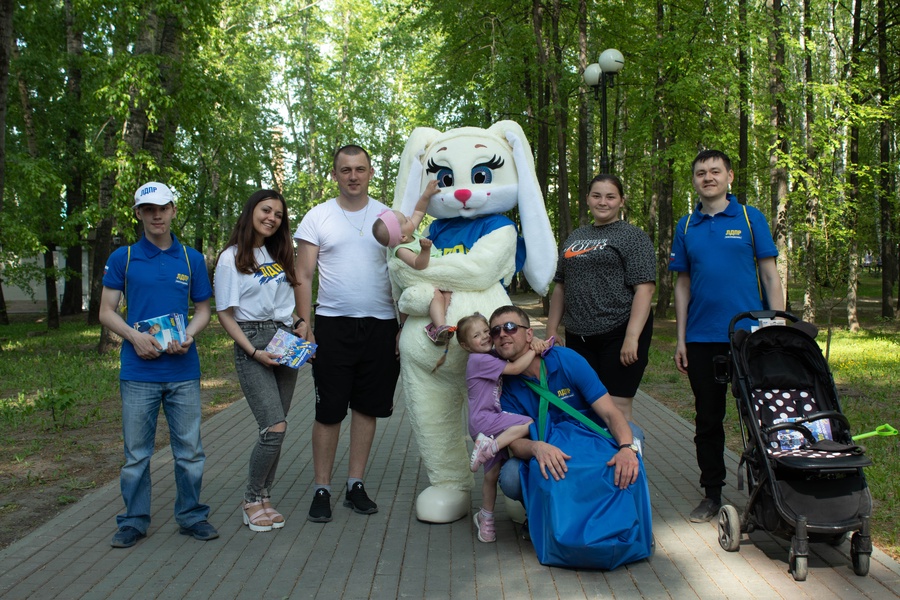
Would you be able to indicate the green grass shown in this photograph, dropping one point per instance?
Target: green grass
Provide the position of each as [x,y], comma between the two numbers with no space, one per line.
[53,379]
[58,380]
[60,398]
[866,368]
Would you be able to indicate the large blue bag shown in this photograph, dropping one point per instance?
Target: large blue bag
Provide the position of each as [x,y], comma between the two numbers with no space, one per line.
[584,521]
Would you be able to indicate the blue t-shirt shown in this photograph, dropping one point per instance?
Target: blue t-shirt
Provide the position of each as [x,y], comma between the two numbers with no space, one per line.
[158,284]
[717,252]
[458,235]
[569,376]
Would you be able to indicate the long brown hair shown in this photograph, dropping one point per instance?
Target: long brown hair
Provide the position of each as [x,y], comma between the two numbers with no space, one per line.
[280,244]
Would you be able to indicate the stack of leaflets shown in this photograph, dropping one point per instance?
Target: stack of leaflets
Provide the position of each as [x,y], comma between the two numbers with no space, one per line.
[165,328]
[292,351]
[792,440]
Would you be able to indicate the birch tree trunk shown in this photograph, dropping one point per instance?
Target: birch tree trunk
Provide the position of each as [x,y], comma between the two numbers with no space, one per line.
[781,145]
[6,14]
[888,255]
[853,177]
[812,198]
[72,294]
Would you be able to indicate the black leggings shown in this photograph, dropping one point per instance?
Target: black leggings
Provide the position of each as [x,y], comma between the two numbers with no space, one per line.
[603,354]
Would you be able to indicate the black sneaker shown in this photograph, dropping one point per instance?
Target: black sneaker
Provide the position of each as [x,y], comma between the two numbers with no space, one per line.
[706,510]
[126,537]
[320,511]
[357,499]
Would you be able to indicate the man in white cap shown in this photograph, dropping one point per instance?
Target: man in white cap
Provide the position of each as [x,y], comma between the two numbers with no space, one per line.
[158,276]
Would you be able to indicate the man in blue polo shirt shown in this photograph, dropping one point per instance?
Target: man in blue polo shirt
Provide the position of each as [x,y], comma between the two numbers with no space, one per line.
[725,259]
[158,276]
[576,383]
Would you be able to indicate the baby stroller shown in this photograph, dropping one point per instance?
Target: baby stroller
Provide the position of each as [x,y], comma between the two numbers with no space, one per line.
[804,474]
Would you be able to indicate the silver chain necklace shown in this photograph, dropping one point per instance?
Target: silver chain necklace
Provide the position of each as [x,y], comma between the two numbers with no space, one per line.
[360,228]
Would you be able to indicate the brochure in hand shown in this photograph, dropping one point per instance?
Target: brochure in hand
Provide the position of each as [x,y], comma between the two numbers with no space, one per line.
[165,328]
[292,351]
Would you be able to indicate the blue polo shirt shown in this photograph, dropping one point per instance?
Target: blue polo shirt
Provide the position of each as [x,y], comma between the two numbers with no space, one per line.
[158,285]
[717,252]
[569,376]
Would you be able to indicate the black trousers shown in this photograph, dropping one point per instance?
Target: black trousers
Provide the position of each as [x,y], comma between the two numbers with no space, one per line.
[709,402]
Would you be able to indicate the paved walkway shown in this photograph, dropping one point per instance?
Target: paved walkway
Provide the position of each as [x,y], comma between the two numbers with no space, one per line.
[391,554]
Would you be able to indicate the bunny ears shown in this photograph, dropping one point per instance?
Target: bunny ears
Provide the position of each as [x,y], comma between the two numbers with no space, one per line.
[390,221]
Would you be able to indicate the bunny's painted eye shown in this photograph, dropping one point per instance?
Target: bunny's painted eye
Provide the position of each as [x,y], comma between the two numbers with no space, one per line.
[482,175]
[444,177]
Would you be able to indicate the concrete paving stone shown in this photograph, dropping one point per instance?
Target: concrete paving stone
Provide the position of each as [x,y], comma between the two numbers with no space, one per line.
[646,581]
[568,587]
[411,587]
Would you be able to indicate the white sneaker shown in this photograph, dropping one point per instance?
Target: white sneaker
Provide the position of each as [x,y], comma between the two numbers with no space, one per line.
[485,449]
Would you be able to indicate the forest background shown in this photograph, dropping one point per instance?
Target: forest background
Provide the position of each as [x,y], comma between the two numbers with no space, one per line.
[218,98]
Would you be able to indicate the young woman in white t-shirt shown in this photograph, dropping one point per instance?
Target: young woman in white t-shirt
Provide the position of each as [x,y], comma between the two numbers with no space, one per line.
[254,286]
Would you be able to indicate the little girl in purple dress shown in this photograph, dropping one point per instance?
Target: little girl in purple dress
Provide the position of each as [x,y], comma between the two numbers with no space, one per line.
[490,427]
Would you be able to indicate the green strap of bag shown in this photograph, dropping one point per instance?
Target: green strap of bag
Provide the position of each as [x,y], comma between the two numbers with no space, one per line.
[548,398]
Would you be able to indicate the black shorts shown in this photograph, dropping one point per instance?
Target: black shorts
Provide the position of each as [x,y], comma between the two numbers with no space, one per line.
[355,367]
[603,353]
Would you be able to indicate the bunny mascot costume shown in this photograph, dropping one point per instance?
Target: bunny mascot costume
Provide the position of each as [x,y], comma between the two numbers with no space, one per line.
[482,173]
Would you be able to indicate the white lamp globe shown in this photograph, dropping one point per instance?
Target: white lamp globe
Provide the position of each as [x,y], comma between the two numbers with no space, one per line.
[611,61]
[592,75]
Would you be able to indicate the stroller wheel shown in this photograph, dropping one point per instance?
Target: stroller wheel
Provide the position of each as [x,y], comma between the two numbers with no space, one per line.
[859,559]
[798,565]
[729,528]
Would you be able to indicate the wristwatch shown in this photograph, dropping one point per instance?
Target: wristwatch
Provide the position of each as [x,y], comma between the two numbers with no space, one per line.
[631,446]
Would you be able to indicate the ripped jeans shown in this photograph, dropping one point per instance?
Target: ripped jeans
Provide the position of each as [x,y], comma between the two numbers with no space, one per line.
[268,391]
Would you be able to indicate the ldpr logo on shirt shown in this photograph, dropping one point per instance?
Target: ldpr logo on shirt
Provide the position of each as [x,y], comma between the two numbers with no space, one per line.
[182,278]
[268,272]
[734,234]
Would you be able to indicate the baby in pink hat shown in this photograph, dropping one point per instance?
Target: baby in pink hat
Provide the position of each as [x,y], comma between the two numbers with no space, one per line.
[398,232]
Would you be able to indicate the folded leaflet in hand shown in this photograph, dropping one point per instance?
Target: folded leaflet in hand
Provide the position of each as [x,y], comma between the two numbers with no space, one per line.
[292,351]
[165,328]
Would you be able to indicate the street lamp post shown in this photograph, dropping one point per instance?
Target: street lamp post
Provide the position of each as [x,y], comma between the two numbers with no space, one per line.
[599,75]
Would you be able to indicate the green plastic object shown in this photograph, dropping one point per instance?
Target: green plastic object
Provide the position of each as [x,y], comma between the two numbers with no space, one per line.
[884,430]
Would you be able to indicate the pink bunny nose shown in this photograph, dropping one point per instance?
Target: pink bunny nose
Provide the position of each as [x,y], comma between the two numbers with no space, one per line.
[462,195]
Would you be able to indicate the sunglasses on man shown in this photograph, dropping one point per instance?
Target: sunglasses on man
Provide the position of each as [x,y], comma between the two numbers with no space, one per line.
[509,327]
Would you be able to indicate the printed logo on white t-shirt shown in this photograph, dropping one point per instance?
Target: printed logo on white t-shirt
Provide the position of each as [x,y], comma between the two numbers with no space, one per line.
[270,272]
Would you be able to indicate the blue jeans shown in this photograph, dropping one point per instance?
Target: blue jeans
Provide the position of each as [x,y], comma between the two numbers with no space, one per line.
[510,483]
[140,408]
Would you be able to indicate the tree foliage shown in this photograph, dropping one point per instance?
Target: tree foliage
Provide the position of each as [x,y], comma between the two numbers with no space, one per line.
[219,98]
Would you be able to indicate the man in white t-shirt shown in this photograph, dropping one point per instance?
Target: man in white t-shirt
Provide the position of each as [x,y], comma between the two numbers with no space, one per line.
[355,327]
